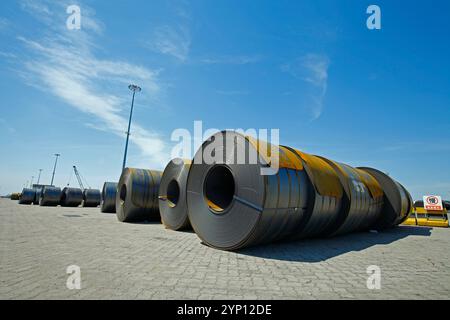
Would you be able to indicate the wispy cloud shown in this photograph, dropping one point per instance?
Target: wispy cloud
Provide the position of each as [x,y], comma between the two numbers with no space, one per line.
[4,23]
[7,55]
[312,69]
[172,41]
[36,7]
[64,64]
[237,60]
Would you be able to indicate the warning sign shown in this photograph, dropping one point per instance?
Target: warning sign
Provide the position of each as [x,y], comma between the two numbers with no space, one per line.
[433,203]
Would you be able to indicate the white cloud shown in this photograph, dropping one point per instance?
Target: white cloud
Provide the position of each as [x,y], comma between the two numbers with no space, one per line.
[4,23]
[312,69]
[65,65]
[36,7]
[173,41]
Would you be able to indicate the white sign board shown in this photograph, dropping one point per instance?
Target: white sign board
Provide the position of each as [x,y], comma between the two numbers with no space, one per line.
[432,203]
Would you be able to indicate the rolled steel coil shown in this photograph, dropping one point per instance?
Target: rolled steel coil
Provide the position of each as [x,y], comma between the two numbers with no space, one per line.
[232,205]
[172,195]
[39,188]
[91,198]
[137,195]
[363,199]
[109,192]
[71,197]
[15,196]
[398,203]
[27,196]
[50,196]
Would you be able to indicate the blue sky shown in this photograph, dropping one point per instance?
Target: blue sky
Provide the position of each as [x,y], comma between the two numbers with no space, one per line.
[312,69]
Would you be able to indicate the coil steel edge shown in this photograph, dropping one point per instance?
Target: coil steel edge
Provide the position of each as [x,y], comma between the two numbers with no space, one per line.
[137,195]
[50,196]
[232,206]
[172,195]
[71,197]
[27,196]
[398,203]
[109,192]
[91,198]
[363,199]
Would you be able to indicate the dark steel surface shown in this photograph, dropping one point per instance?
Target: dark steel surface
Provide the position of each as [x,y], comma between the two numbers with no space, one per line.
[137,195]
[172,195]
[109,192]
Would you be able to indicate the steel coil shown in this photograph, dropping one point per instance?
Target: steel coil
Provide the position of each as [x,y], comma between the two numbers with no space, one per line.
[172,195]
[27,196]
[91,198]
[232,205]
[15,196]
[50,196]
[137,195]
[71,197]
[398,203]
[39,188]
[109,192]
[362,202]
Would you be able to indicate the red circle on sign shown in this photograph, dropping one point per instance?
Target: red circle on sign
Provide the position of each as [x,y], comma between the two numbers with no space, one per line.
[432,200]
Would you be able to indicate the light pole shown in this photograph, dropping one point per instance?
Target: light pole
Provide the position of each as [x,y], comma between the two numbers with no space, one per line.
[135,89]
[57,155]
[31,183]
[39,176]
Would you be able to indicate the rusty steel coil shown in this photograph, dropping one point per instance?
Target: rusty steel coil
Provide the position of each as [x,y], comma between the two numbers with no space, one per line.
[27,196]
[172,195]
[137,195]
[50,196]
[91,198]
[398,203]
[363,199]
[232,205]
[15,196]
[71,197]
[109,192]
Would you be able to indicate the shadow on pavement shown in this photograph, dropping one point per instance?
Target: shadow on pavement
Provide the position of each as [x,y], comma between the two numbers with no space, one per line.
[315,250]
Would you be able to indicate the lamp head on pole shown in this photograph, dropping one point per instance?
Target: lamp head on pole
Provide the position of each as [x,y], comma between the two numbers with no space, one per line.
[134,88]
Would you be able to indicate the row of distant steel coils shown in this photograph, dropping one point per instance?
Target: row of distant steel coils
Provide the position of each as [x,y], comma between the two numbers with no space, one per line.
[231,205]
[53,196]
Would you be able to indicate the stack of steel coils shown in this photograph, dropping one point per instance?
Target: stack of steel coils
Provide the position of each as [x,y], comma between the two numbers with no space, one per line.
[137,195]
[109,192]
[232,205]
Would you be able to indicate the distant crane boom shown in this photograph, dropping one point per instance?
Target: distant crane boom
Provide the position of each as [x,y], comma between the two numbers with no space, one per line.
[77,174]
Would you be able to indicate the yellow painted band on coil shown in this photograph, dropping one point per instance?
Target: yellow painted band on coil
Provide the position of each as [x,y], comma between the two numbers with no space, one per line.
[371,183]
[287,159]
[323,176]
